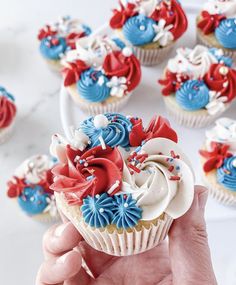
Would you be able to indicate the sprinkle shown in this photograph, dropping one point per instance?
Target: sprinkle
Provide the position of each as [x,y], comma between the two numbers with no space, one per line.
[90,157]
[113,187]
[142,28]
[171,168]
[101,210]
[172,153]
[177,167]
[102,142]
[77,159]
[133,167]
[97,196]
[86,164]
[174,178]
[126,205]
[89,177]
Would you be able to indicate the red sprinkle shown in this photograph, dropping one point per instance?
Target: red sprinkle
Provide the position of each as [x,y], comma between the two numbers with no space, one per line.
[174,178]
[172,153]
[134,168]
[171,168]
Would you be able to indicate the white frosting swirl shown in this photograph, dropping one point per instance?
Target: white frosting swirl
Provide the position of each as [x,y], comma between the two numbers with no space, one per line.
[225,7]
[193,62]
[145,7]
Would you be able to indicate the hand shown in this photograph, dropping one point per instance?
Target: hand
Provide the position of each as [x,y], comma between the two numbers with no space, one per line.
[184,260]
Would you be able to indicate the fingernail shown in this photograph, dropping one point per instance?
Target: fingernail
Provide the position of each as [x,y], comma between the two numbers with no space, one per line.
[60,229]
[62,259]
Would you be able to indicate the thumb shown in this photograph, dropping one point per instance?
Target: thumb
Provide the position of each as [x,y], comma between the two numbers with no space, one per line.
[188,245]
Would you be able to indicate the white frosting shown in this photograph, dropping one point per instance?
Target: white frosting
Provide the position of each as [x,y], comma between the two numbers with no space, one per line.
[145,7]
[163,34]
[118,86]
[216,103]
[225,7]
[152,188]
[193,62]
[51,207]
[66,25]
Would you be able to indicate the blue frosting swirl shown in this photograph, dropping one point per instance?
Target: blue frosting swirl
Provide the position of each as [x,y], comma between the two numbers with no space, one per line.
[87,30]
[116,133]
[193,95]
[226,175]
[138,30]
[119,43]
[126,212]
[96,210]
[51,51]
[5,93]
[218,54]
[33,200]
[226,33]
[92,86]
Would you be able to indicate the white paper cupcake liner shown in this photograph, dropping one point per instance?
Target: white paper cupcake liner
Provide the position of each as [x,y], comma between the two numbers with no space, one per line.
[5,133]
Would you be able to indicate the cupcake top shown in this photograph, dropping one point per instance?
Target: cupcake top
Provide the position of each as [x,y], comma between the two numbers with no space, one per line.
[220,152]
[101,67]
[30,186]
[200,79]
[7,108]
[149,21]
[219,18]
[57,38]
[119,173]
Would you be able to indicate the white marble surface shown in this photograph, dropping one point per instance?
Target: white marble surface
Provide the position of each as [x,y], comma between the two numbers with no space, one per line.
[36,89]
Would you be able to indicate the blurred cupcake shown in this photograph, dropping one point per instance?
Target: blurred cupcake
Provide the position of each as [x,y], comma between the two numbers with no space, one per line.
[216,26]
[151,27]
[56,39]
[30,187]
[121,184]
[219,161]
[101,74]
[199,85]
[7,114]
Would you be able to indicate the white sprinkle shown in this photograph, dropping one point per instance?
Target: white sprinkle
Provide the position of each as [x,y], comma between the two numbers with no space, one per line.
[97,196]
[101,210]
[142,28]
[127,51]
[102,142]
[113,187]
[126,205]
[234,163]
[86,164]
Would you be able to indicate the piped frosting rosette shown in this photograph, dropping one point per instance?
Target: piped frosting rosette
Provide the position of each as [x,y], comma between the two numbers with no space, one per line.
[218,159]
[30,186]
[200,83]
[121,184]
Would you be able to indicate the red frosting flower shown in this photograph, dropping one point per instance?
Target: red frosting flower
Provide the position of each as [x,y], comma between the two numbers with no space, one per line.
[71,74]
[72,38]
[215,158]
[7,111]
[15,187]
[209,22]
[158,128]
[46,32]
[172,82]
[47,182]
[88,173]
[117,64]
[121,16]
[222,79]
[172,12]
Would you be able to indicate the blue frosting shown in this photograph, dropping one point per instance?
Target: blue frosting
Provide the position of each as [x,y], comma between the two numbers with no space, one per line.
[226,33]
[193,95]
[218,54]
[5,93]
[126,212]
[87,30]
[50,51]
[33,200]
[119,43]
[226,175]
[139,30]
[116,133]
[92,86]
[96,210]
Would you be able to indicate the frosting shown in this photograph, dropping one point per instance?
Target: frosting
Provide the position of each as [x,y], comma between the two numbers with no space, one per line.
[7,108]
[209,23]
[73,71]
[219,54]
[53,47]
[226,33]
[193,95]
[226,174]
[225,7]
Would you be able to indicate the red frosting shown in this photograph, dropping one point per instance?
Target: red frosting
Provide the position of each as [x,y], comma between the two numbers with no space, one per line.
[215,158]
[88,173]
[46,32]
[209,22]
[116,64]
[158,128]
[172,12]
[172,82]
[71,74]
[72,38]
[222,79]
[122,15]
[7,111]
[15,187]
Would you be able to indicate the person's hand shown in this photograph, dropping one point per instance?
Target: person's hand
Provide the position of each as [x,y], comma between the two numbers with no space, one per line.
[185,259]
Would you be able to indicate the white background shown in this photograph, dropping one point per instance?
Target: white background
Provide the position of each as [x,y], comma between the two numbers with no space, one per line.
[36,89]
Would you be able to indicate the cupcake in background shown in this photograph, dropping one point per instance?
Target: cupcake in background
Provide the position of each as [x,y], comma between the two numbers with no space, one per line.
[218,158]
[30,188]
[199,85]
[151,27]
[56,39]
[101,74]
[122,184]
[216,26]
[7,114]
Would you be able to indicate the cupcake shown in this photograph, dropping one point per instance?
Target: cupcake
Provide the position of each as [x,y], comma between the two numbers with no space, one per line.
[56,39]
[7,114]
[199,85]
[30,188]
[150,27]
[101,74]
[121,184]
[216,26]
[218,159]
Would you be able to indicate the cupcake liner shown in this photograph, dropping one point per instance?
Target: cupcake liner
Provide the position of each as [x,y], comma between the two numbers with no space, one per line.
[118,242]
[5,133]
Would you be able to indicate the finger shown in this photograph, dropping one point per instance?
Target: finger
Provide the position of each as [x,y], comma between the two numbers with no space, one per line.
[60,239]
[188,245]
[80,278]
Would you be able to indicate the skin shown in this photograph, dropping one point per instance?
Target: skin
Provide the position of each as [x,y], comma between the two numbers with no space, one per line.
[184,259]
